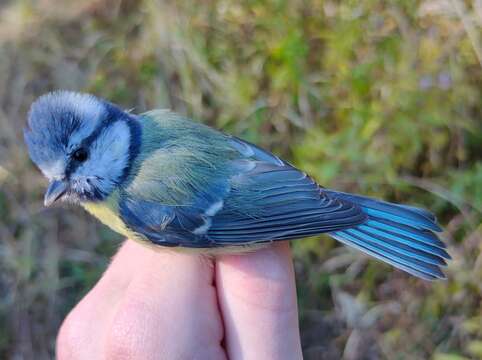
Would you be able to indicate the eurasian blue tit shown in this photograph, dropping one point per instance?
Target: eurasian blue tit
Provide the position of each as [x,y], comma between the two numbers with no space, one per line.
[163,179]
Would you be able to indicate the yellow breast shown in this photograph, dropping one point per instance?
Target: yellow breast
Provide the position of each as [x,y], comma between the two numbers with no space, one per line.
[108,213]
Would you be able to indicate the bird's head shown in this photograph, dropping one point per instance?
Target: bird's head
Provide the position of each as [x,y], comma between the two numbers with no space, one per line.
[82,144]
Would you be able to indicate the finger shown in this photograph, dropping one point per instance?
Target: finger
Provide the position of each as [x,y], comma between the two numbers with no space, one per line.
[168,311]
[130,257]
[148,304]
[257,297]
[81,334]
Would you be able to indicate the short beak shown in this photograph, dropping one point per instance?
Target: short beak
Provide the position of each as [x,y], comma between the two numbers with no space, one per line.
[56,189]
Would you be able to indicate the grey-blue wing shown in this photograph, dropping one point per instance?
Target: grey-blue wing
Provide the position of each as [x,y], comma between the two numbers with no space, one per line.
[174,225]
[161,224]
[278,202]
[264,199]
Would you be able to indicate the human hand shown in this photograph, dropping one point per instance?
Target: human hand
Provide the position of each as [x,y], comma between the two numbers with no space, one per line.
[169,305]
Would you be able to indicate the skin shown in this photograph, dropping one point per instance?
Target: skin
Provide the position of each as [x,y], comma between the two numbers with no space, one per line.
[144,307]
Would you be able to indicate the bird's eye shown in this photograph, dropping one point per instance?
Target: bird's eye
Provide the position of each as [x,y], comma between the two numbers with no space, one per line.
[79,155]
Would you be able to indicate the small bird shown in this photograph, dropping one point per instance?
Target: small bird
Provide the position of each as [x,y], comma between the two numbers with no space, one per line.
[163,179]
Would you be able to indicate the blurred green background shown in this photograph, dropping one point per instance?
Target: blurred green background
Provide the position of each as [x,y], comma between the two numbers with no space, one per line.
[376,97]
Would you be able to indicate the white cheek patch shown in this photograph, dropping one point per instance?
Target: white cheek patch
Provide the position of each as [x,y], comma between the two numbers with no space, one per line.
[55,170]
[108,157]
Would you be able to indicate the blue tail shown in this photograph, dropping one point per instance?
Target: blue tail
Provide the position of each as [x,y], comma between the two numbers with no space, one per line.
[400,235]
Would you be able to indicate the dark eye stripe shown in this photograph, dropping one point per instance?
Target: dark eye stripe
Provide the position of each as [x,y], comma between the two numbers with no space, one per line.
[85,144]
[80,155]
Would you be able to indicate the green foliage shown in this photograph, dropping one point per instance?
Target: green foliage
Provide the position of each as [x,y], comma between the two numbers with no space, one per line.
[381,98]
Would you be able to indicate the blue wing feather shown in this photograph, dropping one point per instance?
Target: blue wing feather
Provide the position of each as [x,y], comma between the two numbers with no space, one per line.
[288,204]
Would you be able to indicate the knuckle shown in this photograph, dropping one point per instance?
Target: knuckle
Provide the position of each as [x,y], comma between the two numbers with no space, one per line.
[126,336]
[264,280]
[70,338]
[80,332]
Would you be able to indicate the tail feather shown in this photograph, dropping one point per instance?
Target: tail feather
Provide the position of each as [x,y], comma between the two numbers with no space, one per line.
[424,236]
[427,272]
[400,235]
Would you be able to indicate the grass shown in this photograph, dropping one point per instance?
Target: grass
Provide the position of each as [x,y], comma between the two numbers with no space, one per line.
[380,98]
